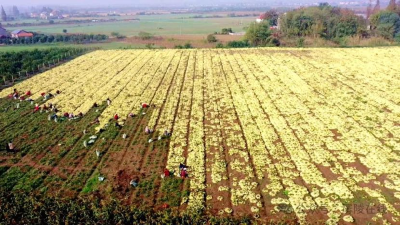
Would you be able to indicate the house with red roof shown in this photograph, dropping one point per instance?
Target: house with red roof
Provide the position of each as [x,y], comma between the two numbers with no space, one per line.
[20,34]
[260,18]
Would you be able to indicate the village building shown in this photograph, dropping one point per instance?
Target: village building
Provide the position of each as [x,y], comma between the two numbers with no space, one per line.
[260,18]
[3,32]
[20,34]
[44,15]
[54,13]
[34,15]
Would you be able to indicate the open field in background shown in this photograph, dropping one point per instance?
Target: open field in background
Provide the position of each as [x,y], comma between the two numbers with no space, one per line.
[170,41]
[167,41]
[155,24]
[105,45]
[274,133]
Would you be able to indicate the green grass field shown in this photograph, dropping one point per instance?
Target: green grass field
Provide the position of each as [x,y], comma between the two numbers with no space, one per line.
[105,45]
[155,24]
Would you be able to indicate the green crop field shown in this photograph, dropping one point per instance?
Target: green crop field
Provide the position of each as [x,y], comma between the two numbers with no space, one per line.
[155,24]
[105,45]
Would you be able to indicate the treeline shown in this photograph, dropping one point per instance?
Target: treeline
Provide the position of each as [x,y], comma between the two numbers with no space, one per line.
[386,24]
[18,64]
[63,22]
[325,22]
[336,24]
[23,208]
[49,38]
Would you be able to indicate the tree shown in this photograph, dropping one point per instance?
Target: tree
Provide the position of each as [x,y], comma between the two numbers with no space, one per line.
[377,7]
[15,11]
[369,9]
[392,7]
[50,38]
[145,36]
[185,46]
[114,34]
[386,24]
[272,16]
[226,30]
[3,14]
[323,21]
[322,5]
[43,39]
[238,44]
[211,38]
[219,45]
[258,33]
[65,31]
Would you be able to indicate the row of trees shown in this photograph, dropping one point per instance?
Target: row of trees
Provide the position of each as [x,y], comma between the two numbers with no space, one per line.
[323,21]
[20,63]
[386,23]
[3,14]
[44,38]
[332,23]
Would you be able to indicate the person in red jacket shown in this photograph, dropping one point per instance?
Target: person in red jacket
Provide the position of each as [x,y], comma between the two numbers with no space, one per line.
[166,172]
[116,117]
[183,173]
[36,107]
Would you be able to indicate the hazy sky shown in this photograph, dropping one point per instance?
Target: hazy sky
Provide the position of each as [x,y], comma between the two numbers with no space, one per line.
[134,3]
[105,2]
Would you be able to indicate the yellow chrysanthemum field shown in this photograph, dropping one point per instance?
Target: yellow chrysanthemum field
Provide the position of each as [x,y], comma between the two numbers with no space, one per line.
[266,132]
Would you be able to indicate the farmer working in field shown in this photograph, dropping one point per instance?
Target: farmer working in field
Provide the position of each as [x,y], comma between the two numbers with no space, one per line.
[15,94]
[36,107]
[145,105]
[11,146]
[118,125]
[182,166]
[166,172]
[147,130]
[167,133]
[183,173]
[96,121]
[134,182]
[49,95]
